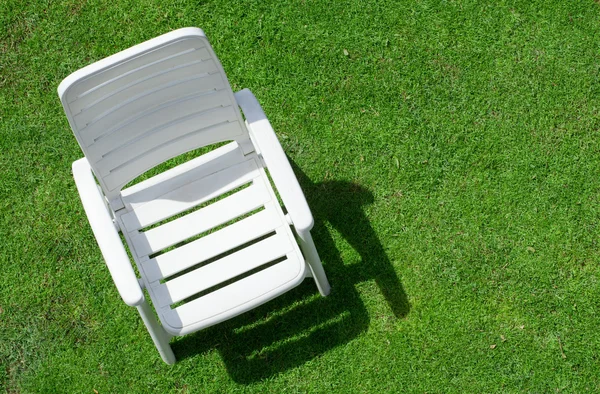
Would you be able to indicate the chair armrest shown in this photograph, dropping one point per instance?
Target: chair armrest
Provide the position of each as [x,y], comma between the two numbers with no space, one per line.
[268,146]
[106,235]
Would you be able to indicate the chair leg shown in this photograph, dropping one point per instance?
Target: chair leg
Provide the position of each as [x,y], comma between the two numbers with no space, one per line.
[314,262]
[158,334]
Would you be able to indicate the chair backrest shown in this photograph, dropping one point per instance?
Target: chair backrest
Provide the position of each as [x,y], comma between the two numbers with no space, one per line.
[150,103]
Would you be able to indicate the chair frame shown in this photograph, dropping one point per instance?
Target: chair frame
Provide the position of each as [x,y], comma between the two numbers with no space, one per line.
[105,226]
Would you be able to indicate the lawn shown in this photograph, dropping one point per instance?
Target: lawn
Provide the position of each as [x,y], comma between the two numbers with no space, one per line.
[450,152]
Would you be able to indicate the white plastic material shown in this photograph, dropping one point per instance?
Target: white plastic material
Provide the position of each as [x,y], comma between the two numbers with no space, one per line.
[149,103]
[106,235]
[267,144]
[209,237]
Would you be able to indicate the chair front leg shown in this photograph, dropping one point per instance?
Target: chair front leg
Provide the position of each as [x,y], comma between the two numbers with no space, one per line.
[157,332]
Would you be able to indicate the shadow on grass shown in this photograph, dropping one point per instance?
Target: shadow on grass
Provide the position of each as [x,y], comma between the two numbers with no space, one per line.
[301,325]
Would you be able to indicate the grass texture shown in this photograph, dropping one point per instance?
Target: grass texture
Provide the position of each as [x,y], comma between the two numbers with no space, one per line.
[449,151]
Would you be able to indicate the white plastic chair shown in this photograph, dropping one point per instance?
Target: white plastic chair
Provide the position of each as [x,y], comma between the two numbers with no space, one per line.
[209,237]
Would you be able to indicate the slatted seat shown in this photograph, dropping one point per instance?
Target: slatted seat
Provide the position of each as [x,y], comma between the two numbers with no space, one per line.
[209,237]
[252,234]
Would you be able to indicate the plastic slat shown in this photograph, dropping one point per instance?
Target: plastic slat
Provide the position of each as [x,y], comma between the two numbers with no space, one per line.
[174,178]
[181,83]
[212,245]
[154,119]
[163,134]
[130,111]
[177,146]
[135,63]
[236,298]
[104,97]
[173,202]
[141,86]
[152,73]
[202,220]
[222,270]
[122,108]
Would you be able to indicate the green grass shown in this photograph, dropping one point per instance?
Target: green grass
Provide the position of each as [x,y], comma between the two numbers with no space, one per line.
[450,151]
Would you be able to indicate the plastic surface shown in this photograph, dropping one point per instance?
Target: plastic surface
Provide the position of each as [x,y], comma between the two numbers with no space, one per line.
[147,104]
[209,237]
[227,200]
[268,146]
[106,235]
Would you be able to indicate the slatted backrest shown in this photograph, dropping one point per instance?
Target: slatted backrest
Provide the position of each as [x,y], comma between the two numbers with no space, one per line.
[147,104]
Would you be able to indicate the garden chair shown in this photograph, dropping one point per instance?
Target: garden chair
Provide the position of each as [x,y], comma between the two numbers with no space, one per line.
[209,237]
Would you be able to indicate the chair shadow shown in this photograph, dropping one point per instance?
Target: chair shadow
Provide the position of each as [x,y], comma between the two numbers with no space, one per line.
[301,325]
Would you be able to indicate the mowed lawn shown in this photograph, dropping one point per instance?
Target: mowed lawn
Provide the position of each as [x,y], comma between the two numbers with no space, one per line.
[450,152]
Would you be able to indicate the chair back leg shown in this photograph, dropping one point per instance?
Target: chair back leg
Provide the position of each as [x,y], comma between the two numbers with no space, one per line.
[314,262]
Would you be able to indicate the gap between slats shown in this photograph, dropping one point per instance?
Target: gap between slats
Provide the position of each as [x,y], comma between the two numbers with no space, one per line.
[213,245]
[237,297]
[222,270]
[200,221]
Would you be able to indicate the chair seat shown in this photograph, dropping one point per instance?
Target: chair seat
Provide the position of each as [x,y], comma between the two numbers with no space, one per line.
[210,239]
